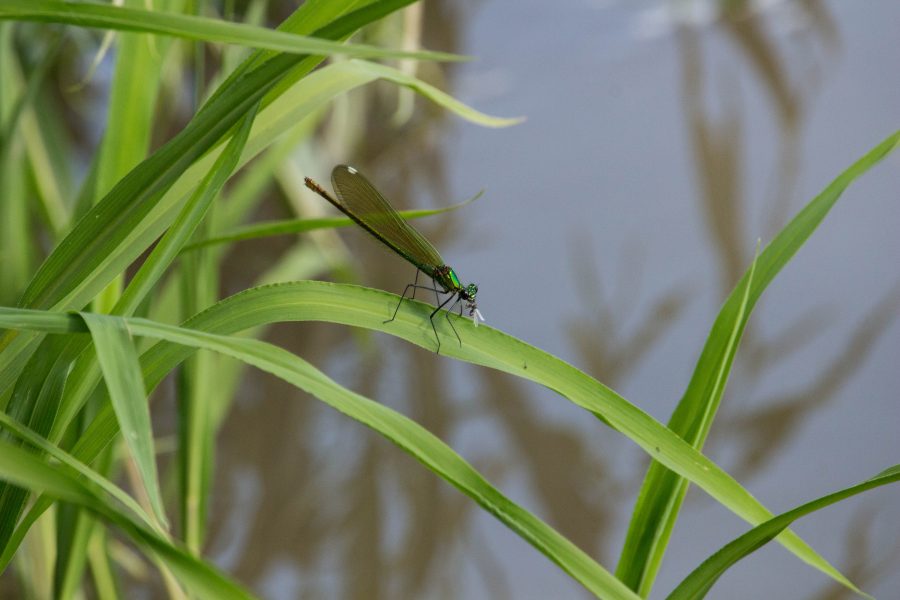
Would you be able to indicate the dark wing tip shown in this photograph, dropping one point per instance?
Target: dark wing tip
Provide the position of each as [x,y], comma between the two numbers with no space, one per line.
[343,169]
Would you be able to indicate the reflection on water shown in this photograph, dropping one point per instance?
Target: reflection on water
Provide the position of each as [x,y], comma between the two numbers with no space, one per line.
[579,498]
[763,431]
[336,511]
[608,353]
[860,562]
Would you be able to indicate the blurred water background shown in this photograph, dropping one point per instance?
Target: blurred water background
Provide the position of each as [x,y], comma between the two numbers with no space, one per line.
[662,140]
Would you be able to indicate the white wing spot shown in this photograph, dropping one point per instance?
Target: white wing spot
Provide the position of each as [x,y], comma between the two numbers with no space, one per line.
[352,170]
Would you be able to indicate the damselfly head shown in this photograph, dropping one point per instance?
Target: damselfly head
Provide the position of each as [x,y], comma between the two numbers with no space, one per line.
[468,294]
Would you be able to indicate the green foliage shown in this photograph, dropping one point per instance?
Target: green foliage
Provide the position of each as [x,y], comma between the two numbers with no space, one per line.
[663,490]
[119,18]
[699,582]
[79,357]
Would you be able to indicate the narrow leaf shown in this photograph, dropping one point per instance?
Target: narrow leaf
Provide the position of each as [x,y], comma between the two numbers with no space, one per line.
[289,226]
[26,470]
[663,489]
[363,307]
[440,98]
[407,434]
[696,585]
[104,16]
[119,361]
[76,466]
[187,221]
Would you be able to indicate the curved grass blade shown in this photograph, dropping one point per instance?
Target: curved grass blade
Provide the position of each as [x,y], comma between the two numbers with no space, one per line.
[121,18]
[26,470]
[119,361]
[366,308]
[106,225]
[663,491]
[378,71]
[17,101]
[151,270]
[290,226]
[696,585]
[111,235]
[307,96]
[79,468]
[34,402]
[363,307]
[123,244]
[188,220]
[408,435]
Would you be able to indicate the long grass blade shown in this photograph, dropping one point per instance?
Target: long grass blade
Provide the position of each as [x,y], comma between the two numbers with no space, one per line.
[111,235]
[362,307]
[119,362]
[94,252]
[411,437]
[26,470]
[129,124]
[309,95]
[293,226]
[16,253]
[83,376]
[34,402]
[79,468]
[664,488]
[696,585]
[105,16]
[120,248]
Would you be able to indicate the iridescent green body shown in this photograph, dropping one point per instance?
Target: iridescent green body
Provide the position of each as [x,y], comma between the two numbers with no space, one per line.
[359,200]
[445,277]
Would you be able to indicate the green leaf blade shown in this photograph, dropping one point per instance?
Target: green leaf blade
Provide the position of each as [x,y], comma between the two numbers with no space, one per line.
[103,16]
[663,490]
[696,585]
[368,308]
[291,226]
[26,470]
[119,362]
[411,437]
